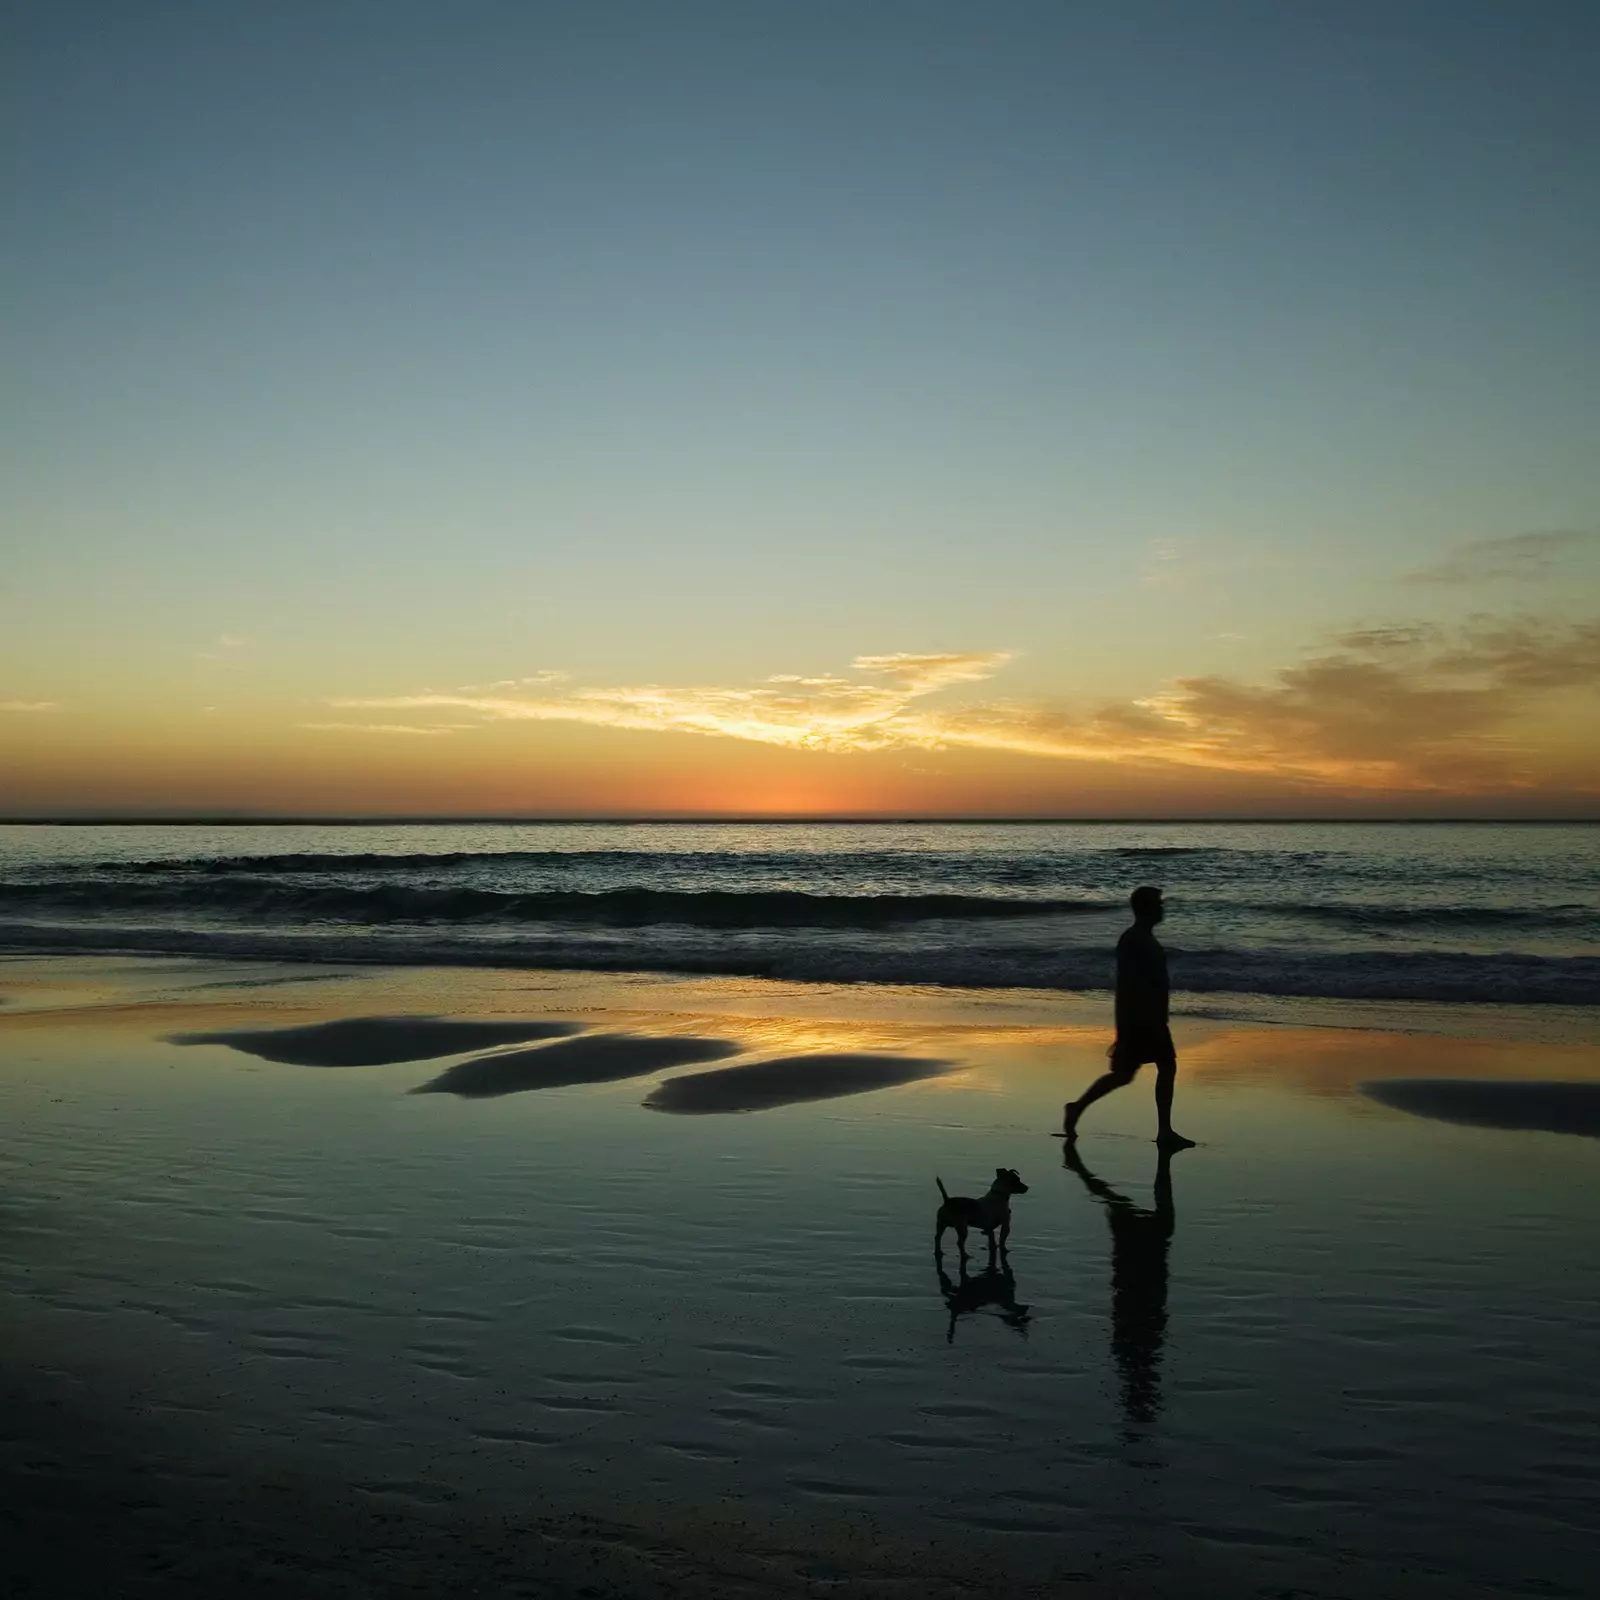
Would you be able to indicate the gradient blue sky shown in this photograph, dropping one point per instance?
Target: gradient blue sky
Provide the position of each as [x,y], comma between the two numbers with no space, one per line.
[359,349]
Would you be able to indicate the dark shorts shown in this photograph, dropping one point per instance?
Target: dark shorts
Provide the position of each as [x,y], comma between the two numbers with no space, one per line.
[1136,1046]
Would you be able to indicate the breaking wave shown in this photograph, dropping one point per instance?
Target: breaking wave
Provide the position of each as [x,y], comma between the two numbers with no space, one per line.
[1422,976]
[627,907]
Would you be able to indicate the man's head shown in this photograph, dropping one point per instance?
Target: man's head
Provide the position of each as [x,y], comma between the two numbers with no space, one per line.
[1146,903]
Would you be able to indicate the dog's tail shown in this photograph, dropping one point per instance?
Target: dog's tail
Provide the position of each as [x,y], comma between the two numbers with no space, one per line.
[944,1192]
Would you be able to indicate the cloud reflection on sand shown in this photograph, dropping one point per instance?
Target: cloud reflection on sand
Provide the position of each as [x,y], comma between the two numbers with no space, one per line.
[789,1080]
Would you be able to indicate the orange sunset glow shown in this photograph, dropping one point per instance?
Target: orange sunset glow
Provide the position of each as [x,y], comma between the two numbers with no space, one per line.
[1490,716]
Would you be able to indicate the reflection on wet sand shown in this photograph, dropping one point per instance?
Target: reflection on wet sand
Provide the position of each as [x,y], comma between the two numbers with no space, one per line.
[1139,1241]
[1337,1062]
[995,1286]
[376,1041]
[599,1058]
[1543,1107]
[789,1080]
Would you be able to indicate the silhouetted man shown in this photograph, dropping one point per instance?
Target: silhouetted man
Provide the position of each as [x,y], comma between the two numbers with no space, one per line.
[1142,1031]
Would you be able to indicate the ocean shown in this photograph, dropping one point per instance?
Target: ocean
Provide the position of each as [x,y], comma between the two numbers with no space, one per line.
[1491,914]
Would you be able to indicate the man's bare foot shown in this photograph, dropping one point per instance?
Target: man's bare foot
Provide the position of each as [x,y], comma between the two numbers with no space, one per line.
[1174,1141]
[1070,1113]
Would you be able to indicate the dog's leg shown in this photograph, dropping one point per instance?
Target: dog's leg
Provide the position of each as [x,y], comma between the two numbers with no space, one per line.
[1005,1233]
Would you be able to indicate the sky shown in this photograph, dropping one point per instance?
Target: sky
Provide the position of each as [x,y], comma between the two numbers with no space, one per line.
[1081,408]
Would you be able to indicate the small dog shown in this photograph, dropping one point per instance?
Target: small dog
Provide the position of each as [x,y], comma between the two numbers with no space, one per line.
[991,1212]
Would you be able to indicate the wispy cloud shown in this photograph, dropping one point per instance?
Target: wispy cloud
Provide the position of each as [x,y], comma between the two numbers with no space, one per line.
[1513,558]
[809,713]
[537,680]
[226,650]
[30,705]
[1406,706]
[1163,566]
[922,674]
[1187,566]
[375,727]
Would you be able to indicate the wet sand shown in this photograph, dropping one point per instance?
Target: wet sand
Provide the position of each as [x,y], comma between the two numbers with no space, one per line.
[274,1329]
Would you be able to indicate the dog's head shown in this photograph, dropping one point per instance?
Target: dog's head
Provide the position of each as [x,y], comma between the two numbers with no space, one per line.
[1006,1180]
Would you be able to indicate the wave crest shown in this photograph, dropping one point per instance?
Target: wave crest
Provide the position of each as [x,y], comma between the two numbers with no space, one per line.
[626,907]
[1421,976]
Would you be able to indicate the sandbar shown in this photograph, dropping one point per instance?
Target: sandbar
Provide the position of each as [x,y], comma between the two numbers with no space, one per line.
[789,1080]
[599,1058]
[375,1041]
[1538,1106]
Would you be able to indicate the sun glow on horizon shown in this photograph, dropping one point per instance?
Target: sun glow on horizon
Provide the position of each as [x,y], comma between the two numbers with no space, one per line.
[1407,708]
[1408,712]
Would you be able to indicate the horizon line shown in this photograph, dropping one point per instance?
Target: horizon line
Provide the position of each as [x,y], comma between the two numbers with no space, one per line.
[631,819]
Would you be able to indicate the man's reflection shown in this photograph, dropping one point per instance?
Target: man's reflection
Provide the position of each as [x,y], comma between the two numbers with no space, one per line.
[1139,1241]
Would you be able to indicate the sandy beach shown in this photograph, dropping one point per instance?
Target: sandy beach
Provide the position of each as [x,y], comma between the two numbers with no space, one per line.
[340,1281]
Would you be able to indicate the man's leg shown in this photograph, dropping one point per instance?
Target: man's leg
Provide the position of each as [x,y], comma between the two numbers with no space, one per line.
[1119,1075]
[1166,1082]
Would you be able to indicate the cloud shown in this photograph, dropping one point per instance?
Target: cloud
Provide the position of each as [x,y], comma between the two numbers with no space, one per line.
[30,705]
[1385,640]
[1405,706]
[1164,566]
[923,674]
[227,650]
[1526,655]
[1514,558]
[537,680]
[808,713]
[375,727]
[1189,566]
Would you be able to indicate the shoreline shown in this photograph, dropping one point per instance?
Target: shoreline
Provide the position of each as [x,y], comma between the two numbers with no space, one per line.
[1533,1023]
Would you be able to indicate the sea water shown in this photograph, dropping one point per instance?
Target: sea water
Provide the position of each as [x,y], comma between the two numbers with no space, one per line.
[1500,913]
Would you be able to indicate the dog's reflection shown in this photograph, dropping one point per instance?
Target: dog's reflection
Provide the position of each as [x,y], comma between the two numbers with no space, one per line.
[995,1286]
[1139,1243]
